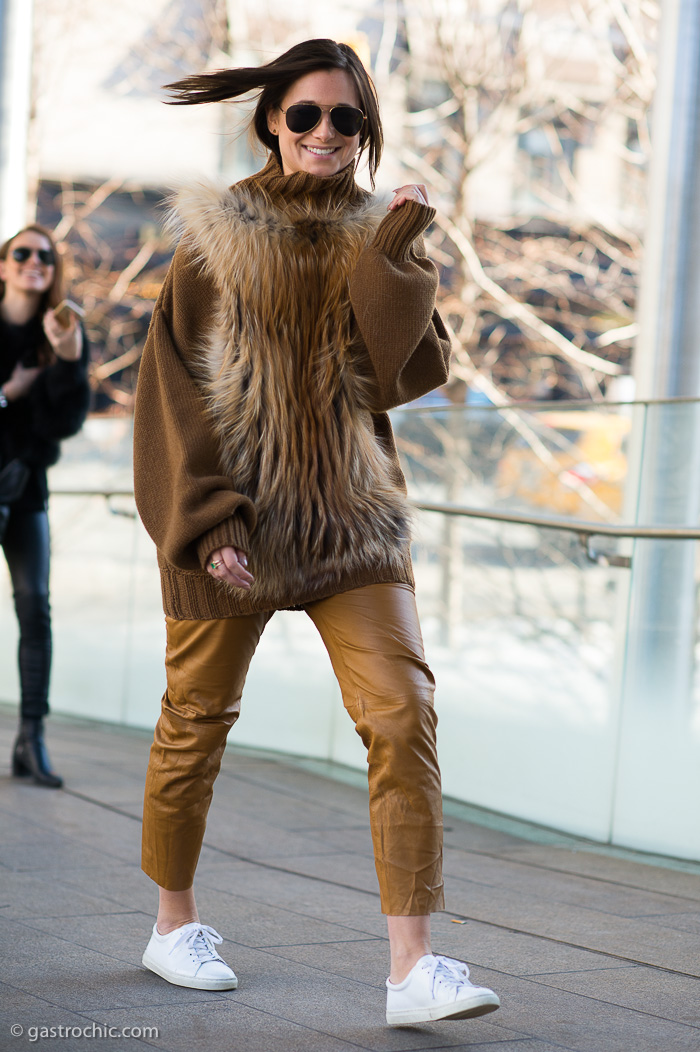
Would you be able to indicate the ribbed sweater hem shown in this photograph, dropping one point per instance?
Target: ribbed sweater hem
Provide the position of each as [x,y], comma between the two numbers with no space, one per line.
[192,596]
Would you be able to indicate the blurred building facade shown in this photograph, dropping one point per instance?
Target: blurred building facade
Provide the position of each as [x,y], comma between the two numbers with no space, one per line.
[99,70]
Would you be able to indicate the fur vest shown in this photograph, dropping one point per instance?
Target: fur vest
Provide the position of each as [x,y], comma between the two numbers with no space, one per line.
[283,387]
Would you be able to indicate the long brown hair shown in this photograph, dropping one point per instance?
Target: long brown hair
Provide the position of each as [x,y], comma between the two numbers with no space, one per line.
[54,294]
[274,80]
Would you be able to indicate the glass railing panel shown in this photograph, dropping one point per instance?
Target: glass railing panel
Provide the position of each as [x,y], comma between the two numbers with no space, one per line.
[520,630]
[569,461]
[658,783]
[529,640]
[659,761]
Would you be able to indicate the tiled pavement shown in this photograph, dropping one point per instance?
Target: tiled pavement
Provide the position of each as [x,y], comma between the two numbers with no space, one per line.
[590,950]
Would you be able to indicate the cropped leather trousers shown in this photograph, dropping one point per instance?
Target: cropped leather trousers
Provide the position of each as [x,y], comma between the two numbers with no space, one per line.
[374,642]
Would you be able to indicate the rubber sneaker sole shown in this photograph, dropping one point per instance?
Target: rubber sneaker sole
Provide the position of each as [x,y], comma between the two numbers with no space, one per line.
[182,980]
[481,1005]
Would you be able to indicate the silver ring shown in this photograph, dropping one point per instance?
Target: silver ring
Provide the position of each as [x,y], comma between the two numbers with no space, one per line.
[215,565]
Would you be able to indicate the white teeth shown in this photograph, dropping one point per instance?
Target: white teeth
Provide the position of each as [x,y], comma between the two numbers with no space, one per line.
[321,152]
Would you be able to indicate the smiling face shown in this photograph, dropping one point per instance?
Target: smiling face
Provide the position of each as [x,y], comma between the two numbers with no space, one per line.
[323,150]
[30,276]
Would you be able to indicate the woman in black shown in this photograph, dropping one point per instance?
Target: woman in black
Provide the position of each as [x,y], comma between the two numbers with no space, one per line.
[44,397]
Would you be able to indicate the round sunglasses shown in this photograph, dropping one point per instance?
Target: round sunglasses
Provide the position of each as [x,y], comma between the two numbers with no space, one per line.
[44,255]
[305,116]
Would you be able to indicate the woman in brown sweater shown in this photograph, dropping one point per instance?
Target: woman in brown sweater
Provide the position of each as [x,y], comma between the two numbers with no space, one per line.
[296,312]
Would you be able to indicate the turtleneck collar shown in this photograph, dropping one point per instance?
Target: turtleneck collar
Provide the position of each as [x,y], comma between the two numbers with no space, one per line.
[323,190]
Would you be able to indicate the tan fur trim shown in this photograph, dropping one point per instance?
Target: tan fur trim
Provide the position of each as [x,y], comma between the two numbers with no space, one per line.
[290,406]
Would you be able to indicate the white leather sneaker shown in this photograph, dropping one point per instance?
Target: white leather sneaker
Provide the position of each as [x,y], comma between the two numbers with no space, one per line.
[437,988]
[186,957]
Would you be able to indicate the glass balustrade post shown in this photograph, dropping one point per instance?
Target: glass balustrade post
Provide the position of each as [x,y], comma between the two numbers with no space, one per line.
[16,22]
[659,760]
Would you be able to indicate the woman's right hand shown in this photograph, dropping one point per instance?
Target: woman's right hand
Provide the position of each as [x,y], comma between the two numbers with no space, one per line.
[20,382]
[229,565]
[66,340]
[411,192]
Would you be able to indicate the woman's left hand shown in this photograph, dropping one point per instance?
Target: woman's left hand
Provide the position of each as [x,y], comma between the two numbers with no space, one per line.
[412,192]
[67,343]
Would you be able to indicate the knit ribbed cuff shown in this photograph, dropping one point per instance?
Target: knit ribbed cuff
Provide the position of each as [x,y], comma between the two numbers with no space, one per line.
[399,229]
[231,533]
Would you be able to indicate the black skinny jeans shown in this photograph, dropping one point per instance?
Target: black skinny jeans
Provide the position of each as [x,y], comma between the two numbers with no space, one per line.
[26,547]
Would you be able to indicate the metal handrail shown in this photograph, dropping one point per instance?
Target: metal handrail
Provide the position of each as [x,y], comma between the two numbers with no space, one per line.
[572,403]
[579,526]
[92,492]
[584,530]
[106,493]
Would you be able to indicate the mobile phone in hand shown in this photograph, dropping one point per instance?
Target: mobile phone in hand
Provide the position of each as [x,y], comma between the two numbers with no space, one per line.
[62,313]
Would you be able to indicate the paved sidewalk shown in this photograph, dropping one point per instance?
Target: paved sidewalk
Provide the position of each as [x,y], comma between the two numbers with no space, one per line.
[590,951]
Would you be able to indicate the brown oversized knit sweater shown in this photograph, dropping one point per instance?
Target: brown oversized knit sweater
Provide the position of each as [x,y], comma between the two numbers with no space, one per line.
[295,313]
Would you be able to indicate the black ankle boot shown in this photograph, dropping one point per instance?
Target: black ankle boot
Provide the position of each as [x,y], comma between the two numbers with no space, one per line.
[30,758]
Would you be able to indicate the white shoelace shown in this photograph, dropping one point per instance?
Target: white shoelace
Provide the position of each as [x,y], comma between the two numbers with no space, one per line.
[444,971]
[199,939]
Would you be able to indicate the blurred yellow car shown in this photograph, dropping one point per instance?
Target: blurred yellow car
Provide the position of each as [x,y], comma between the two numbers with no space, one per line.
[594,453]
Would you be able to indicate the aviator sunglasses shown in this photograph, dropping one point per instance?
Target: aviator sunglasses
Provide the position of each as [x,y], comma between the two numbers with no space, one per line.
[44,255]
[305,116]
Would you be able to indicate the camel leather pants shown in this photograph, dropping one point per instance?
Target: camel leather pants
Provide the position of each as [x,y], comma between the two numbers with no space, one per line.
[374,642]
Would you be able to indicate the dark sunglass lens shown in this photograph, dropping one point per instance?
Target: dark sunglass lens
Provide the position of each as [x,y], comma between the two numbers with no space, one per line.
[22,254]
[302,117]
[347,120]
